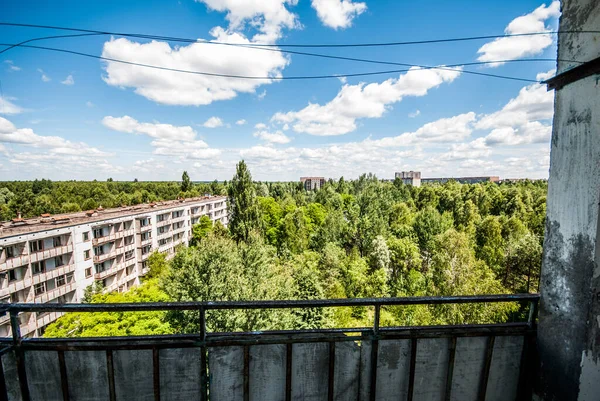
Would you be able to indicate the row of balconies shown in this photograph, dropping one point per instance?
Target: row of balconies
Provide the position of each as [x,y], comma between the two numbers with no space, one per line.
[56,292]
[113,236]
[114,269]
[25,259]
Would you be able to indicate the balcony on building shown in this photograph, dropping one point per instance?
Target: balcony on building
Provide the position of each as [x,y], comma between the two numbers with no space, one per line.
[46,248]
[14,255]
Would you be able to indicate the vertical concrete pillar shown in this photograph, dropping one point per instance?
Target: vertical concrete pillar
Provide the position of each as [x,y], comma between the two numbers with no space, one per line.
[569,320]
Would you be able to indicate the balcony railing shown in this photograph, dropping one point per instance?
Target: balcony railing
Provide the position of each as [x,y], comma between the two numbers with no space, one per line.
[50,274]
[16,261]
[56,292]
[50,253]
[463,362]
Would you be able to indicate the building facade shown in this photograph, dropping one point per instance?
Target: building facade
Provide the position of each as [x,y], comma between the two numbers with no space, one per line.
[53,259]
[312,183]
[462,180]
[410,177]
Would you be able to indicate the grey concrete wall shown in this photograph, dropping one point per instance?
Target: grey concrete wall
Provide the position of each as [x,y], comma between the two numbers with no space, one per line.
[569,323]
[180,372]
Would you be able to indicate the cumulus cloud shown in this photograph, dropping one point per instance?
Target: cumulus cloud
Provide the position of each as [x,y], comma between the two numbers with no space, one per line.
[468,150]
[213,122]
[68,80]
[338,117]
[176,88]
[169,140]
[268,17]
[155,130]
[8,107]
[272,137]
[414,114]
[260,126]
[241,122]
[56,151]
[338,13]
[147,166]
[510,48]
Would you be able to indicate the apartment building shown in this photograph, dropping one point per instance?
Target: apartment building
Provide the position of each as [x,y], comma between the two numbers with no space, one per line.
[312,183]
[54,258]
[410,177]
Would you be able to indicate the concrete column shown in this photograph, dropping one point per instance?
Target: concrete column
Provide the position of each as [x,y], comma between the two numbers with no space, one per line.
[569,320]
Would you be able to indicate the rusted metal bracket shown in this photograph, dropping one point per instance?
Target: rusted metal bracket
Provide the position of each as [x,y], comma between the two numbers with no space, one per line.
[574,74]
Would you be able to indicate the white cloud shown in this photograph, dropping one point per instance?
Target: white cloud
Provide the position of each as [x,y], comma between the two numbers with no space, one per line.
[260,126]
[213,122]
[147,166]
[68,80]
[468,150]
[452,129]
[510,48]
[272,137]
[531,132]
[8,107]
[414,113]
[338,13]
[155,130]
[268,17]
[45,78]
[54,146]
[175,88]
[542,76]
[169,140]
[241,122]
[11,66]
[339,116]
[262,95]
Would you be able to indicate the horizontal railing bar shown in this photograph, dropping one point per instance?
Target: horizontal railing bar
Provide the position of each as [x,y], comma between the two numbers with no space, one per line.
[287,304]
[290,337]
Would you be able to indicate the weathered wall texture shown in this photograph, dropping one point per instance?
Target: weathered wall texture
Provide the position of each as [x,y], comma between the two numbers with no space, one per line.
[568,335]
[179,369]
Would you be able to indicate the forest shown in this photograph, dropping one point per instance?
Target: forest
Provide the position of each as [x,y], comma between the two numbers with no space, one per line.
[357,238]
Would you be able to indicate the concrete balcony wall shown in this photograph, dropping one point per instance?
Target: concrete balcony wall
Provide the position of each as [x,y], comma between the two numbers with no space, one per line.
[17,261]
[56,292]
[42,277]
[50,253]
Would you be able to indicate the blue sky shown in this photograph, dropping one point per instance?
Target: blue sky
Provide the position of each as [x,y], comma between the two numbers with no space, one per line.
[69,117]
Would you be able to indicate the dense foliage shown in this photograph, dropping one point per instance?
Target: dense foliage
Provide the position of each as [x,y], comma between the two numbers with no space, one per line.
[361,238]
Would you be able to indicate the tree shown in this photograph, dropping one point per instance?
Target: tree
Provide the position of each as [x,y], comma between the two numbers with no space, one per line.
[243,206]
[103,324]
[201,230]
[186,184]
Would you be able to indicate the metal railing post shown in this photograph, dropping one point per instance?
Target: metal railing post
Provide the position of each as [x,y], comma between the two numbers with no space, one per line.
[19,355]
[203,359]
[374,355]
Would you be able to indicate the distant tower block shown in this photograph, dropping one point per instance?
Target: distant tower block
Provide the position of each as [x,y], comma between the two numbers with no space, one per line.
[410,178]
[312,183]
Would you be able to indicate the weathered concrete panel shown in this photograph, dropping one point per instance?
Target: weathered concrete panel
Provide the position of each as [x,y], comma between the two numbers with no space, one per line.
[43,375]
[431,369]
[469,361]
[226,370]
[365,370]
[310,367]
[503,380]
[88,375]
[180,374]
[267,372]
[346,373]
[11,378]
[134,375]
[393,365]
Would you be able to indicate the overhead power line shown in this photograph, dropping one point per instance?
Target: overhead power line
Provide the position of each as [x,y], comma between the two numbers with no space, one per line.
[453,67]
[375,44]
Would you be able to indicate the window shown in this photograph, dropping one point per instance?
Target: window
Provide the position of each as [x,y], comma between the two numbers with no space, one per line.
[88,272]
[129,255]
[86,254]
[39,289]
[127,225]
[69,277]
[146,249]
[38,267]
[12,275]
[36,246]
[98,233]
[146,236]
[58,261]
[56,241]
[177,214]
[144,222]
[60,281]
[99,268]
[86,236]
[129,240]
[99,251]
[10,252]
[144,264]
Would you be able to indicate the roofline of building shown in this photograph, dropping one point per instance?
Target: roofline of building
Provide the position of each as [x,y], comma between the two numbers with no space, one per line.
[36,224]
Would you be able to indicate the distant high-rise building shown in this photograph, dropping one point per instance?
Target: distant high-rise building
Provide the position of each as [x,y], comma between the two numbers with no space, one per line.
[55,258]
[462,180]
[410,178]
[312,183]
